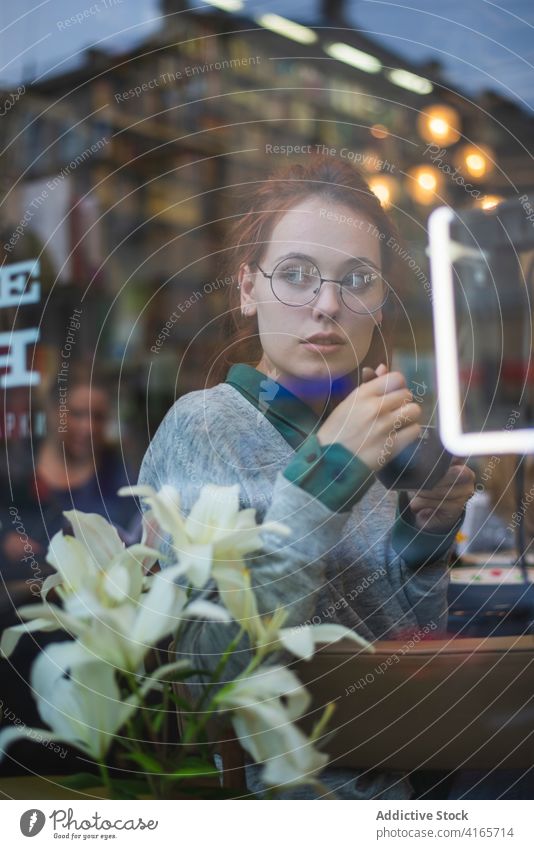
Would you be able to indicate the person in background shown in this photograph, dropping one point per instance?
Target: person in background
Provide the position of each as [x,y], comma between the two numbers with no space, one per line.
[75,467]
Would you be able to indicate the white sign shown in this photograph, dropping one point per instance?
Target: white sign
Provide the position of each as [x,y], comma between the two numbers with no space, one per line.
[19,286]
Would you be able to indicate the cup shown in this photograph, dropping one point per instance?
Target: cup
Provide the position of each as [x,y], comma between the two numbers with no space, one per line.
[418,466]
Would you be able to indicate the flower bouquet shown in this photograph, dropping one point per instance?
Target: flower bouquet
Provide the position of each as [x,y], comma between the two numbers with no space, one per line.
[106,692]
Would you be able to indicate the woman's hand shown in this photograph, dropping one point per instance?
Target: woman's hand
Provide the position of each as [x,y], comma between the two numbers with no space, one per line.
[14,547]
[377,420]
[437,510]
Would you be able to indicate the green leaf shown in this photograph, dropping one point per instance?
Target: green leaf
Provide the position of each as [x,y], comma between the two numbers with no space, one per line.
[179,702]
[157,722]
[148,763]
[194,766]
[80,781]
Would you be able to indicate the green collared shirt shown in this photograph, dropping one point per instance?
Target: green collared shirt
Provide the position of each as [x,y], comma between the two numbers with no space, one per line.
[331,473]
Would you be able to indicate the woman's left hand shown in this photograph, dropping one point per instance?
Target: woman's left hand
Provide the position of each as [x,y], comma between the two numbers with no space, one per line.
[437,510]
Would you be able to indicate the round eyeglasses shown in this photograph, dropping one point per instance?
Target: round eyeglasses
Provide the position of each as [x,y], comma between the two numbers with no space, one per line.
[296,281]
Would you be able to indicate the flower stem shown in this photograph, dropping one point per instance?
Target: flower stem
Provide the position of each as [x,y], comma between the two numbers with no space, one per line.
[106,778]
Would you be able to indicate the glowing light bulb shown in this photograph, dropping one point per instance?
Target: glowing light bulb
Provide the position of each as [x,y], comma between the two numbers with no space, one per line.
[475,161]
[440,124]
[425,184]
[489,201]
[378,131]
[476,164]
[427,181]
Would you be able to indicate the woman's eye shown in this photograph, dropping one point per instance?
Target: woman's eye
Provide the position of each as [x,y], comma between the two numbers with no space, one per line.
[297,274]
[294,275]
[360,279]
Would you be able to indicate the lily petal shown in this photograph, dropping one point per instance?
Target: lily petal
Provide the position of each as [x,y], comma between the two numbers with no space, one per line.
[11,735]
[96,534]
[11,636]
[202,609]
[215,509]
[69,558]
[301,640]
[331,633]
[49,584]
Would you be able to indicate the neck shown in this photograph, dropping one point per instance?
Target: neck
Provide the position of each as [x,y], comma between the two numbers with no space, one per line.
[320,394]
[56,453]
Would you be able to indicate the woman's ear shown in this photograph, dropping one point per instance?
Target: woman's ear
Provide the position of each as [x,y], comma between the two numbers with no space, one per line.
[245,280]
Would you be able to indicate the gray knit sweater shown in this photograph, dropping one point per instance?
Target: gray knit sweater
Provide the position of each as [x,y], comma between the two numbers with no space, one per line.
[334,567]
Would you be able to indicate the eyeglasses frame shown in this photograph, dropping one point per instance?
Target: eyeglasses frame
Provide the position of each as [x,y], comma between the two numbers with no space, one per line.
[322,280]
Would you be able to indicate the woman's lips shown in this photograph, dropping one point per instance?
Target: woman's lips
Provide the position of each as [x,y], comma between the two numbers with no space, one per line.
[323,347]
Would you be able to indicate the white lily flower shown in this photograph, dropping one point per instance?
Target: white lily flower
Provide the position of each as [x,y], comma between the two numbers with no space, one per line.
[42,617]
[265,725]
[78,698]
[99,538]
[97,570]
[95,573]
[267,633]
[301,640]
[215,533]
[123,635]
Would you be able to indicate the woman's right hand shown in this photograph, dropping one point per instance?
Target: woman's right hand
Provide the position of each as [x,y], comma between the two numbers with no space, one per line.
[376,421]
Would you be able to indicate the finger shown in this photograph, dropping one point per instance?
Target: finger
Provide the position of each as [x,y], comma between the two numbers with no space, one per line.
[422,502]
[455,476]
[455,487]
[367,375]
[406,414]
[451,495]
[458,475]
[393,402]
[404,437]
[429,498]
[388,382]
[465,474]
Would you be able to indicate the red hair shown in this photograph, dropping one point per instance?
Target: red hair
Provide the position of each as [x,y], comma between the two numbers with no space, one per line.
[336,182]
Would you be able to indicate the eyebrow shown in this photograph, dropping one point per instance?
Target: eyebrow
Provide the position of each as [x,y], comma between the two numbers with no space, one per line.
[349,261]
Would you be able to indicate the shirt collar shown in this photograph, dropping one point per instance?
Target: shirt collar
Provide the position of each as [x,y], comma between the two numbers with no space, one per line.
[291,416]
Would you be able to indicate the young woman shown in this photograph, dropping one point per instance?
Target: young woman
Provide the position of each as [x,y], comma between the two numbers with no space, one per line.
[305,416]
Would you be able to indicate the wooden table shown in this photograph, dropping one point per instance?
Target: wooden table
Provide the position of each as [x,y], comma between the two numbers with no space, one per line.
[44,787]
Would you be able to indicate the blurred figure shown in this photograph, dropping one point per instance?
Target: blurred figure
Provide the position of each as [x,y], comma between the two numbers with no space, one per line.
[75,467]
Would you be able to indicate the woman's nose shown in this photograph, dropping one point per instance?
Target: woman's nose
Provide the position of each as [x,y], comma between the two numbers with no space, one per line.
[328,299]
